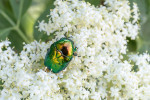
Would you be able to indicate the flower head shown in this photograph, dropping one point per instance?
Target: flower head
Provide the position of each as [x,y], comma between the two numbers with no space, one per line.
[100,34]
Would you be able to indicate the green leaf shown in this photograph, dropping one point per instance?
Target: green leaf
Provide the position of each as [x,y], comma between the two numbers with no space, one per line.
[5,5]
[5,10]
[95,2]
[144,43]
[132,45]
[27,23]
[19,7]
[16,41]
[4,33]
[11,12]
[3,22]
[146,30]
[142,8]
[39,35]
[144,47]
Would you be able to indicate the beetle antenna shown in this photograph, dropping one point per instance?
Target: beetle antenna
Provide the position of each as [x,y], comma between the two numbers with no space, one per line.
[75,54]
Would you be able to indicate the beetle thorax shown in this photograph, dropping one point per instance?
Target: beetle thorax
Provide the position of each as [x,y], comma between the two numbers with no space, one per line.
[64,50]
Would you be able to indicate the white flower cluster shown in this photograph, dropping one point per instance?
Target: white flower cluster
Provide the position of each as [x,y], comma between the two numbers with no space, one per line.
[99,73]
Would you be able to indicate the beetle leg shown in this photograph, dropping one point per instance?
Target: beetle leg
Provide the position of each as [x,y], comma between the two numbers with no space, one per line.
[75,48]
[75,54]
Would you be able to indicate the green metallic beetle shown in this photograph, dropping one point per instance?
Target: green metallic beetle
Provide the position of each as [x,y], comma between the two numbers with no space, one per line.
[59,55]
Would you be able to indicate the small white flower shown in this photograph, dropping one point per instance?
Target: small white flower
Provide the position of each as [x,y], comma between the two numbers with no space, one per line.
[98,72]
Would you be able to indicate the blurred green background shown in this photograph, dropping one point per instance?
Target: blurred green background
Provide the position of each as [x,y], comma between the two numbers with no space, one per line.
[18,19]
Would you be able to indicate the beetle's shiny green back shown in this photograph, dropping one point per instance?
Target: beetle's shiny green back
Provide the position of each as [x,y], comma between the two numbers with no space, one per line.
[59,55]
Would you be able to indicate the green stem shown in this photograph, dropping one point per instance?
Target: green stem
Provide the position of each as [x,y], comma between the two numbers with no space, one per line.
[7,18]
[20,12]
[22,35]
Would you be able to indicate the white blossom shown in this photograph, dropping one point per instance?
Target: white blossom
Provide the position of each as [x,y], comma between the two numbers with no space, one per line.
[98,72]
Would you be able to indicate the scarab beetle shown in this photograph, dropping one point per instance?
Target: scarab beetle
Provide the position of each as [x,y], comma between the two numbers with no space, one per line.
[59,55]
